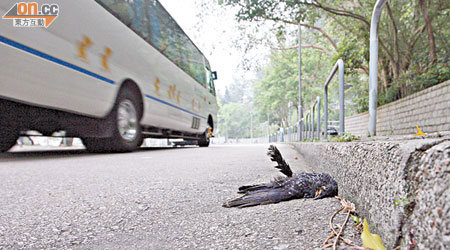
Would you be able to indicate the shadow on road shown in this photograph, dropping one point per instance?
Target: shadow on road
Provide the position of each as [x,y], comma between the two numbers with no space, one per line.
[56,153]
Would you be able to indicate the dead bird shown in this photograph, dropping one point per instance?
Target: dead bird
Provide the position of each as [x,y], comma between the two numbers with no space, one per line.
[293,186]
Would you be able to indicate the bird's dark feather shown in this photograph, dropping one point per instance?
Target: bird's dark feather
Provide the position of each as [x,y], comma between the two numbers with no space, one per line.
[296,186]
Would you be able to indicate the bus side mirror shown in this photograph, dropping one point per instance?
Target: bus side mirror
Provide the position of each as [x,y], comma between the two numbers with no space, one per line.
[214,75]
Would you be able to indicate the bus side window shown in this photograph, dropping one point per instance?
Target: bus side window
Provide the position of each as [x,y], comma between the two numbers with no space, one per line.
[149,20]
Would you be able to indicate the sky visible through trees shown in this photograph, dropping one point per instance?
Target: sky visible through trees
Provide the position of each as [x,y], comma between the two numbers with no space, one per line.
[255,42]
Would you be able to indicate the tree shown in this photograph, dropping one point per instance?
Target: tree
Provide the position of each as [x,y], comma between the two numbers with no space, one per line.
[234,121]
[279,86]
[344,29]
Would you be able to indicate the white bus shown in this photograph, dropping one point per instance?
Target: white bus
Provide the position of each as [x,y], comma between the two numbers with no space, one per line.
[111,72]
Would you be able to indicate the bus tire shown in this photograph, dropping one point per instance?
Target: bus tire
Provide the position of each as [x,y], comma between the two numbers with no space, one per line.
[125,125]
[204,140]
[8,139]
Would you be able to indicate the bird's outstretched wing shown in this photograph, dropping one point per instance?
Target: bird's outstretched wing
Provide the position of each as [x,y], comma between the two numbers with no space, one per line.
[260,195]
[276,183]
[275,155]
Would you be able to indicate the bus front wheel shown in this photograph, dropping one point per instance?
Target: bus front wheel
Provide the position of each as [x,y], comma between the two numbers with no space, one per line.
[125,125]
[204,140]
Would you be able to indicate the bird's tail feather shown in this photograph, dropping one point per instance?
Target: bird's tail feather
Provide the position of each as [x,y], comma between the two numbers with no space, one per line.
[260,196]
[275,155]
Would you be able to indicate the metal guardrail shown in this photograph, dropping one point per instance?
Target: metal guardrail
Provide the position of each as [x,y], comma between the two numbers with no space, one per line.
[300,126]
[373,67]
[308,131]
[339,64]
[305,128]
[306,123]
[316,103]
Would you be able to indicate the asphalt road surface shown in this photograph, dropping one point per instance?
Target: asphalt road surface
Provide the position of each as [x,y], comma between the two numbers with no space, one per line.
[167,198]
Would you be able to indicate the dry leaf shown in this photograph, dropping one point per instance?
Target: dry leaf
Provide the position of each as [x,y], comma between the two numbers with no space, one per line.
[372,241]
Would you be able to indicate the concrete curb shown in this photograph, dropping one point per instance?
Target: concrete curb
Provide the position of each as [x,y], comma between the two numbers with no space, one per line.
[402,187]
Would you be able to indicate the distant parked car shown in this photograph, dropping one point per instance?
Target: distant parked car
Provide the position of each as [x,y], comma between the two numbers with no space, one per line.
[332,131]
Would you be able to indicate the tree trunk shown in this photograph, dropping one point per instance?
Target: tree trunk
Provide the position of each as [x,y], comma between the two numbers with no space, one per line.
[397,57]
[427,20]
[384,79]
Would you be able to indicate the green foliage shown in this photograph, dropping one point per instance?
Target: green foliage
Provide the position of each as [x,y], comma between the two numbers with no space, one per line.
[413,53]
[412,82]
[346,138]
[354,51]
[236,93]
[356,219]
[233,120]
[277,92]
[236,116]
[331,30]
[357,95]
[407,202]
[401,201]
[279,87]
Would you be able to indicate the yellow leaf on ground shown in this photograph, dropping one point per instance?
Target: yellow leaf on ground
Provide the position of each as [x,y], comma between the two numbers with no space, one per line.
[371,241]
[419,132]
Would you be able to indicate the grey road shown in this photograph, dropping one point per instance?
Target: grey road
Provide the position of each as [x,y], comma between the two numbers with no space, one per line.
[151,199]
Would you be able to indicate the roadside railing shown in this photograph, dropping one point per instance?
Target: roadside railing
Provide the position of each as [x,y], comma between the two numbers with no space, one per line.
[309,130]
[373,67]
[288,134]
[316,103]
[254,140]
[305,125]
[309,126]
[339,65]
